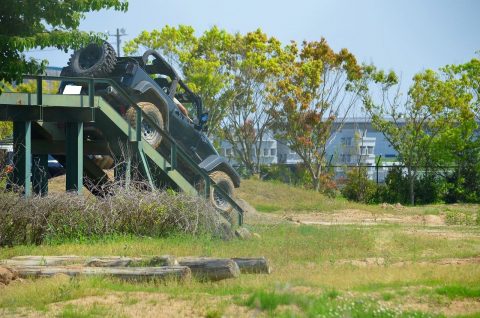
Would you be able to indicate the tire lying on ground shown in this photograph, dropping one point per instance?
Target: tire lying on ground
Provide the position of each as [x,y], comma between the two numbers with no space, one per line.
[95,60]
[149,133]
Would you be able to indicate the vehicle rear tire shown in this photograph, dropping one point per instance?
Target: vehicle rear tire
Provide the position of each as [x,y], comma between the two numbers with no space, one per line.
[93,60]
[225,182]
[150,134]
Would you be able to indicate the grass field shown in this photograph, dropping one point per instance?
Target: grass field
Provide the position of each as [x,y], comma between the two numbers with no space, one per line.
[378,261]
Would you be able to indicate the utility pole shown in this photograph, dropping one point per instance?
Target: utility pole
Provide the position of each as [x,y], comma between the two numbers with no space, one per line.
[119,34]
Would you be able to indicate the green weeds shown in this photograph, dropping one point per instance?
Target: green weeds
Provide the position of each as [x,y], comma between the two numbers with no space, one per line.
[267,208]
[71,311]
[289,304]
[458,291]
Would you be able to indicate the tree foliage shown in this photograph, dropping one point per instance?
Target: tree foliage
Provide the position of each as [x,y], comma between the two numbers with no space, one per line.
[317,89]
[428,127]
[254,63]
[29,24]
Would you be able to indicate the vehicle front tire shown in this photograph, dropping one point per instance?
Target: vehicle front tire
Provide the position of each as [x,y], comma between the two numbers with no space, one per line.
[150,134]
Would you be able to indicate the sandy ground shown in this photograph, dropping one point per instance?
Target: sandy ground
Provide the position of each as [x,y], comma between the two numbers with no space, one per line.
[360,217]
[141,304]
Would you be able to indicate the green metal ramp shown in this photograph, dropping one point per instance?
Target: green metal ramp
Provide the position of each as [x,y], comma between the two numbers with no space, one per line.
[55,124]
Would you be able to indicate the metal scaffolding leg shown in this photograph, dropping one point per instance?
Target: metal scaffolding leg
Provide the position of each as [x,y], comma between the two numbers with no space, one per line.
[74,145]
[40,174]
[22,160]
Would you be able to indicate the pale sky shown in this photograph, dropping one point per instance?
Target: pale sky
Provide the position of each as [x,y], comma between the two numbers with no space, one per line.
[407,36]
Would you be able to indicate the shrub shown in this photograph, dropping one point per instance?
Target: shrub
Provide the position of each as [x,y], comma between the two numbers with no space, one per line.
[463,184]
[358,187]
[429,188]
[459,218]
[328,185]
[291,174]
[128,212]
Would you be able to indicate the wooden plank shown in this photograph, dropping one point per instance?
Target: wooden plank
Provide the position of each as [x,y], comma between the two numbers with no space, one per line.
[181,273]
[205,268]
[253,265]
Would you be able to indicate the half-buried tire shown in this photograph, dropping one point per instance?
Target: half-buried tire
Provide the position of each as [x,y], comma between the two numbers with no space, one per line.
[94,60]
[149,133]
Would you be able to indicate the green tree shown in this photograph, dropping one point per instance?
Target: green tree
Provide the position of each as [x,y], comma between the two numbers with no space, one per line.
[254,63]
[417,127]
[461,141]
[317,90]
[29,24]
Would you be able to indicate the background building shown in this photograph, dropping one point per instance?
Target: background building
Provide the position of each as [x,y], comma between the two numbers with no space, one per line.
[355,143]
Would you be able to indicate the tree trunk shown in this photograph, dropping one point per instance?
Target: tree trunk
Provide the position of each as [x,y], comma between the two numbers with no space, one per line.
[97,261]
[32,260]
[129,273]
[253,265]
[206,268]
[411,180]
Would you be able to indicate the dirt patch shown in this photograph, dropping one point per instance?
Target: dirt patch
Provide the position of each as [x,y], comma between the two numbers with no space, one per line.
[369,261]
[462,307]
[141,304]
[360,217]
[443,233]
[448,308]
[380,261]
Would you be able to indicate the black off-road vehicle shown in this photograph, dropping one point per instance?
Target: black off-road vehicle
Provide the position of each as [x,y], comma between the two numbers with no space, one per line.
[165,98]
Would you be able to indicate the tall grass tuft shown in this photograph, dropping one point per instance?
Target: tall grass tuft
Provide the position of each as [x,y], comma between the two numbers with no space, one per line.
[131,211]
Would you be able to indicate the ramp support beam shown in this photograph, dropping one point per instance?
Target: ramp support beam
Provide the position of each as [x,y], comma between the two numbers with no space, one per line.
[22,160]
[74,145]
[40,174]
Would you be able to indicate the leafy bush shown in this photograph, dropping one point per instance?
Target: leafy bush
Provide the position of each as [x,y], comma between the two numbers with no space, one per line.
[459,218]
[128,212]
[358,187]
[463,184]
[328,185]
[291,174]
[429,188]
[297,175]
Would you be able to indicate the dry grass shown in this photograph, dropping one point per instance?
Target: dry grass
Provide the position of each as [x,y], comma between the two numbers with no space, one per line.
[280,198]
[67,216]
